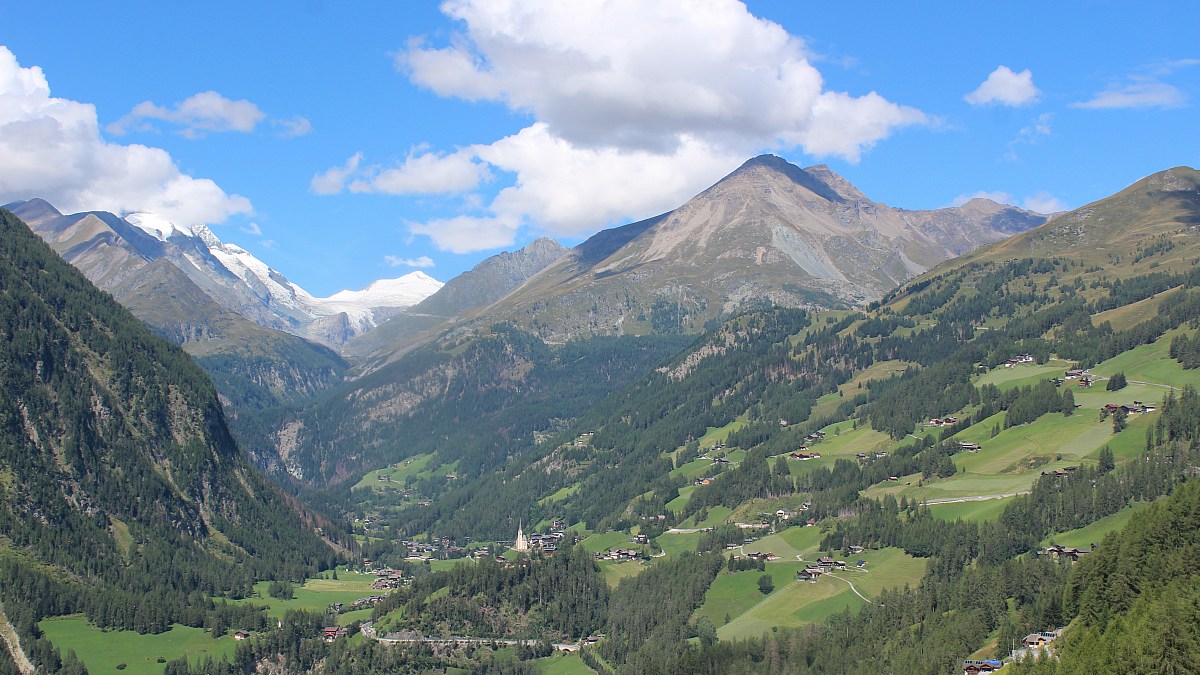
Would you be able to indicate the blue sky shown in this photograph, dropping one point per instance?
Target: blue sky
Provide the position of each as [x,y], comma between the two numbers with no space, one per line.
[345,142]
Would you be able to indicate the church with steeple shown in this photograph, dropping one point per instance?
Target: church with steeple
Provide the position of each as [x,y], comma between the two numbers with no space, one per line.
[521,545]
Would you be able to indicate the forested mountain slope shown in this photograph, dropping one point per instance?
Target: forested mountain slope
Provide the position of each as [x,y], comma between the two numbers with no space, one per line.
[124,494]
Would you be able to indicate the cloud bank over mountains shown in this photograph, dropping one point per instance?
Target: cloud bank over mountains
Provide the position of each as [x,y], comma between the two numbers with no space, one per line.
[635,107]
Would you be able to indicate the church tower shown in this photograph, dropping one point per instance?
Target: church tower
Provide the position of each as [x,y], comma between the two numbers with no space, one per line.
[521,545]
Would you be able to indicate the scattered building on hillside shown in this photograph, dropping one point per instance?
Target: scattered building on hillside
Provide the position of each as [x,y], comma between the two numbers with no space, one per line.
[1023,358]
[1041,640]
[977,666]
[1064,552]
[331,633]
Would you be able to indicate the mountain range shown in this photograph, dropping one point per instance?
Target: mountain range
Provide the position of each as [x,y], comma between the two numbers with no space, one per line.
[114,252]
[770,233]
[127,499]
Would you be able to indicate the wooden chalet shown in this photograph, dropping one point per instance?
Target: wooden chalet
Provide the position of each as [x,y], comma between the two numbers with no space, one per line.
[1040,640]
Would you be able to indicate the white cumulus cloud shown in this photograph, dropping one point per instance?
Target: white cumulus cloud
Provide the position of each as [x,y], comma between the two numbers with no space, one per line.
[1005,87]
[423,173]
[203,112]
[419,262]
[636,107]
[640,75]
[52,148]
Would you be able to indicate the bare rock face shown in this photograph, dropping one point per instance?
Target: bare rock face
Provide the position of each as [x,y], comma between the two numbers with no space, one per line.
[769,233]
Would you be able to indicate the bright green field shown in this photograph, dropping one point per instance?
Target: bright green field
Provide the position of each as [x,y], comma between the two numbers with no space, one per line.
[675,544]
[317,594]
[1151,363]
[794,603]
[716,516]
[716,435]
[1084,537]
[685,495]
[563,664]
[850,442]
[1097,397]
[409,467]
[561,494]
[614,571]
[693,469]
[970,511]
[789,543]
[1023,374]
[602,541]
[101,651]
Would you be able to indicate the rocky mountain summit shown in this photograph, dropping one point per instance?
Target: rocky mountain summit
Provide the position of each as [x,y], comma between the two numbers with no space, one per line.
[769,233]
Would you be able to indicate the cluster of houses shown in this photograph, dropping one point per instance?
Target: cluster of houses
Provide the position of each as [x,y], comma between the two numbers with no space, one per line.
[862,457]
[546,543]
[941,421]
[1064,552]
[765,556]
[824,565]
[1085,380]
[1023,358]
[1137,408]
[803,455]
[619,555]
[387,579]
[367,601]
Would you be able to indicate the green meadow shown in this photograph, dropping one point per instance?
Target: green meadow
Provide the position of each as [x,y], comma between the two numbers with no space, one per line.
[1151,363]
[1023,374]
[103,650]
[789,543]
[562,664]
[317,594]
[614,571]
[794,603]
[978,511]
[1094,533]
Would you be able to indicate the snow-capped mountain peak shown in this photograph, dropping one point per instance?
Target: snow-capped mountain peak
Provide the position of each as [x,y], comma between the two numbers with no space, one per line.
[400,292]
